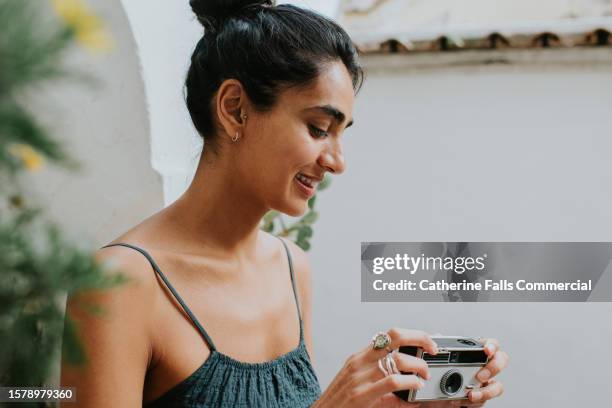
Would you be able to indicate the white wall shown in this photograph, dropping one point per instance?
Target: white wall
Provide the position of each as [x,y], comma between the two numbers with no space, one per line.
[166,33]
[461,152]
[329,8]
[115,186]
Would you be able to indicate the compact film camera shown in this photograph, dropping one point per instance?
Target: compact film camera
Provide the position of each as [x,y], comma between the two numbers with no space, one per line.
[452,370]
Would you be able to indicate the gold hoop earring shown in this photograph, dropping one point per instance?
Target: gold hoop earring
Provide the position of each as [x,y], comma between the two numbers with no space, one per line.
[236,137]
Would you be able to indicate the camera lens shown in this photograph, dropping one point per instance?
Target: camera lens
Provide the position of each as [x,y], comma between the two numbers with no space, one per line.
[451,382]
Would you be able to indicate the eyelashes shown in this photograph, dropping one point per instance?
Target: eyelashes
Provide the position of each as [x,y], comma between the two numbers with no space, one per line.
[316,132]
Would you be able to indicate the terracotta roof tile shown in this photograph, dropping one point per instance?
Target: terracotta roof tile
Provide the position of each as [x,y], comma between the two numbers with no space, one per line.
[428,25]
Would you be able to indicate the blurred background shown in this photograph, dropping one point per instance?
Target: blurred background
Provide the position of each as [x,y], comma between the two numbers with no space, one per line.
[478,121]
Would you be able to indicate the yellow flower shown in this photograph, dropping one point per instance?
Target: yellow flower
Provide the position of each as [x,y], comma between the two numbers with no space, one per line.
[30,158]
[88,28]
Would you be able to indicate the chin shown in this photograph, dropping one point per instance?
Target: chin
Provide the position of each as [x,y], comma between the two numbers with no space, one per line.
[292,207]
[299,211]
[296,209]
[292,202]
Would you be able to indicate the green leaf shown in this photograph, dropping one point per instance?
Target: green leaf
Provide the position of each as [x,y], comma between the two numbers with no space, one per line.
[304,233]
[305,245]
[325,183]
[311,202]
[310,218]
[270,216]
[72,350]
[268,221]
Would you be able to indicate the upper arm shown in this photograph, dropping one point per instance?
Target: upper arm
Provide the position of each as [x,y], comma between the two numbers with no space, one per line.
[117,343]
[303,278]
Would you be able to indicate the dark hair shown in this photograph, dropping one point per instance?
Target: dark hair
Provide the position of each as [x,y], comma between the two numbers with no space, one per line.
[267,48]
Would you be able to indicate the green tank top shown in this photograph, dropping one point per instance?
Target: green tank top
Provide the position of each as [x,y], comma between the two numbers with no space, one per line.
[221,381]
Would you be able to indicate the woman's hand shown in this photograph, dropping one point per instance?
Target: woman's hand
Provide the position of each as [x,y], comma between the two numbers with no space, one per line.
[361,384]
[498,360]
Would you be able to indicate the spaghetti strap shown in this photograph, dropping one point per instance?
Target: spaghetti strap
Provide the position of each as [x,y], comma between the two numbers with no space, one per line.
[195,321]
[295,294]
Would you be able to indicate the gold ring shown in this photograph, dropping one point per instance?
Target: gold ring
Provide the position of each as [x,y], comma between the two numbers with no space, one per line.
[380,341]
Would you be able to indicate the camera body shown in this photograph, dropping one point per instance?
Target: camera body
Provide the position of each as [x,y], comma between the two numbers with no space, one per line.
[453,370]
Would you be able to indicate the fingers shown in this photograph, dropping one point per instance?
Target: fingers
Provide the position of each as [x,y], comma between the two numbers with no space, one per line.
[494,366]
[407,337]
[401,337]
[490,346]
[404,363]
[395,382]
[367,383]
[492,390]
[392,401]
[370,392]
[463,403]
[410,364]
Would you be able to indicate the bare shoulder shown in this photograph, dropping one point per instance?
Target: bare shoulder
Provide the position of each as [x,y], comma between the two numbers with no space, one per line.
[140,286]
[117,341]
[130,263]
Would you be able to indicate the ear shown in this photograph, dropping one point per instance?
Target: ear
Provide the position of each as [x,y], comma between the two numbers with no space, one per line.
[231,102]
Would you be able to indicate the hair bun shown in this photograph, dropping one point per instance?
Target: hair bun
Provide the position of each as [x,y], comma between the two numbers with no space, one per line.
[212,12]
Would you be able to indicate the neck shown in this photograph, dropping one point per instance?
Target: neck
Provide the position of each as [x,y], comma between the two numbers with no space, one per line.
[217,211]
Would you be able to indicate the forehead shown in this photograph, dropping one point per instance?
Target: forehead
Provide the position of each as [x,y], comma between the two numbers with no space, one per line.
[332,87]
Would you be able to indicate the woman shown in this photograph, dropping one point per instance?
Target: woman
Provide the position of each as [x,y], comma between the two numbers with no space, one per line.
[271,90]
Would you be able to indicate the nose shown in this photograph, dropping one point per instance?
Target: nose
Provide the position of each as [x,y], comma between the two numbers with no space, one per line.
[332,159]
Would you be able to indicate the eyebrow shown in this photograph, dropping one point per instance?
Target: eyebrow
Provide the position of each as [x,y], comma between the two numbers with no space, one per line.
[332,111]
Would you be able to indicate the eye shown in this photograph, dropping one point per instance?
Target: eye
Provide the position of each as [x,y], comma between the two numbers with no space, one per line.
[316,132]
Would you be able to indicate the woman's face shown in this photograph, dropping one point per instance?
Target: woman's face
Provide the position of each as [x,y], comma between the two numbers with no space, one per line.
[288,150]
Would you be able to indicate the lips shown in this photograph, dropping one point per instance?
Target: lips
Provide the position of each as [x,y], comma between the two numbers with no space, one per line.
[307,184]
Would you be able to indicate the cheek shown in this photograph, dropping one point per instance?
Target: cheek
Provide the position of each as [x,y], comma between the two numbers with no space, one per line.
[292,148]
[302,154]
[300,146]
[278,153]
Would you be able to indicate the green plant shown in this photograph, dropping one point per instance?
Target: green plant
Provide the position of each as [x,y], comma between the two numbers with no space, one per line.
[301,230]
[37,265]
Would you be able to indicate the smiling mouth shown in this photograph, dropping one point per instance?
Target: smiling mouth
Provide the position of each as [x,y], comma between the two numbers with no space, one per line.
[307,181]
